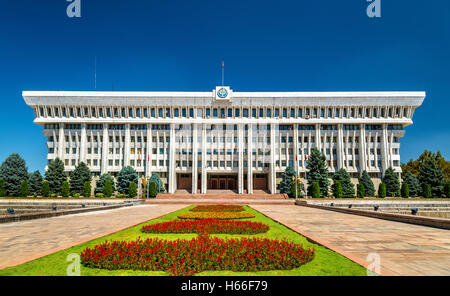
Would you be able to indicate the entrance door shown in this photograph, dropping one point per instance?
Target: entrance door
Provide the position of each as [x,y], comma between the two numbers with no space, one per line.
[260,182]
[222,182]
[184,181]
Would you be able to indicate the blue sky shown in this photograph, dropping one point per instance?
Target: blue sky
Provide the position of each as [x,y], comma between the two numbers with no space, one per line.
[297,45]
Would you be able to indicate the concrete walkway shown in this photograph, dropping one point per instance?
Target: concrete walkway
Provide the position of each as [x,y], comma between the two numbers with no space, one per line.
[24,241]
[404,249]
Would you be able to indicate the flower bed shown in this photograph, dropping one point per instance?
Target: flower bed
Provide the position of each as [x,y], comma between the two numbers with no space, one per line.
[216,215]
[217,208]
[186,257]
[208,226]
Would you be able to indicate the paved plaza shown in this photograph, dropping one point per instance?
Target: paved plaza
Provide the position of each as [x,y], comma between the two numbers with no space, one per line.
[404,249]
[22,241]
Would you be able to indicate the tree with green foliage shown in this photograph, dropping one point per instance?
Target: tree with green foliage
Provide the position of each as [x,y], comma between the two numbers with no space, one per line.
[366,181]
[78,176]
[45,189]
[87,189]
[55,175]
[426,191]
[447,190]
[35,182]
[431,173]
[392,182]
[285,184]
[99,185]
[2,188]
[13,171]
[348,188]
[405,190]
[24,188]
[157,180]
[316,189]
[414,166]
[132,192]
[317,171]
[296,186]
[108,189]
[413,184]
[65,189]
[337,189]
[361,191]
[382,190]
[152,189]
[125,177]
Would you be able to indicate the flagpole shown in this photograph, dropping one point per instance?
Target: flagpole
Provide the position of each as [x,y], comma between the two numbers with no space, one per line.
[223,70]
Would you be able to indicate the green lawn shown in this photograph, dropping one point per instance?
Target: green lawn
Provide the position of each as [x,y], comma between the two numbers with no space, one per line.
[326,262]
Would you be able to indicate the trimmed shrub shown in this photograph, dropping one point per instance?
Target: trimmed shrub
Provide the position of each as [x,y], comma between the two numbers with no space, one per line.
[99,185]
[348,188]
[392,182]
[315,189]
[360,191]
[45,189]
[382,190]
[366,181]
[2,188]
[413,184]
[132,192]
[426,191]
[76,195]
[447,190]
[125,177]
[120,195]
[337,189]
[152,189]
[65,189]
[186,257]
[108,189]
[99,195]
[78,177]
[405,190]
[24,188]
[87,189]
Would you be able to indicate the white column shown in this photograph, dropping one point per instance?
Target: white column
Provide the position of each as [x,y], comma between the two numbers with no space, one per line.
[149,151]
[362,148]
[340,144]
[204,175]
[241,159]
[295,147]
[272,174]
[250,160]
[83,143]
[194,158]
[126,149]
[384,154]
[172,174]
[105,149]
[318,146]
[61,142]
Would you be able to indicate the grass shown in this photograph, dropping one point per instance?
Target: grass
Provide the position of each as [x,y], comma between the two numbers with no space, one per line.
[325,263]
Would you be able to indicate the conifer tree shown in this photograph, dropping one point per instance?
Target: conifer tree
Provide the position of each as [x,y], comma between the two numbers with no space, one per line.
[24,188]
[360,190]
[392,182]
[108,189]
[337,189]
[2,188]
[413,184]
[366,181]
[315,189]
[431,173]
[132,190]
[348,188]
[126,175]
[35,182]
[99,186]
[87,189]
[78,177]
[317,171]
[13,171]
[405,190]
[426,191]
[45,189]
[65,189]
[157,180]
[285,184]
[55,175]
[382,190]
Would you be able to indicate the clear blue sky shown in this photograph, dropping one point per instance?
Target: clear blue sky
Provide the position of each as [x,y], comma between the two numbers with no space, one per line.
[297,45]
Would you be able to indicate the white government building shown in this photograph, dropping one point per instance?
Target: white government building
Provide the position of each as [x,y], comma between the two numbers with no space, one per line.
[221,139]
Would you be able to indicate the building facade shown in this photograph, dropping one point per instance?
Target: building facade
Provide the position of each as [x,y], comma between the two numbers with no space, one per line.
[242,141]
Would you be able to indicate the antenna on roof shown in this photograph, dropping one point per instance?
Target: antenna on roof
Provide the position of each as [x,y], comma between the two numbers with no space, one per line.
[95,73]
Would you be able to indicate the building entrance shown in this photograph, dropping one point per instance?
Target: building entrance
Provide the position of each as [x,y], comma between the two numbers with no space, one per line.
[222,182]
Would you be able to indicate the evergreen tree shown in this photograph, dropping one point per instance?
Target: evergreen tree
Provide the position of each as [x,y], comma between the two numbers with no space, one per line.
[426,192]
[13,171]
[414,166]
[157,180]
[285,184]
[382,190]
[337,189]
[55,175]
[299,186]
[65,189]
[317,171]
[132,189]
[126,175]
[35,182]
[405,190]
[366,181]
[392,182]
[361,190]
[413,184]
[101,183]
[431,173]
[45,189]
[78,176]
[152,189]
[24,188]
[87,189]
[108,189]
[348,189]
[315,189]
[446,190]
[2,188]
